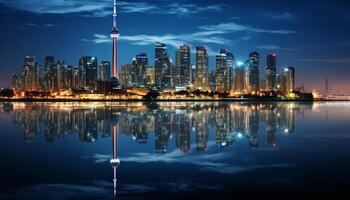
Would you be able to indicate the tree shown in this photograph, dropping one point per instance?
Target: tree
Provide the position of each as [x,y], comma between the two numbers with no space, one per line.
[7,92]
[153,94]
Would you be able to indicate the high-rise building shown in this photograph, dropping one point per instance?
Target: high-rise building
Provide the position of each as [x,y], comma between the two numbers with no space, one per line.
[50,73]
[193,74]
[61,72]
[162,66]
[202,69]
[253,72]
[151,76]
[212,80]
[104,71]
[183,63]
[287,79]
[139,68]
[271,72]
[230,65]
[89,66]
[222,72]
[69,77]
[126,75]
[239,77]
[76,78]
[17,81]
[31,74]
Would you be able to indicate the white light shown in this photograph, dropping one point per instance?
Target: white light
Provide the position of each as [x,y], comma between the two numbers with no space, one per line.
[240,63]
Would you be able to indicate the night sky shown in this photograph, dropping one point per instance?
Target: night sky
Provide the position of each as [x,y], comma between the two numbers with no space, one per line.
[312,35]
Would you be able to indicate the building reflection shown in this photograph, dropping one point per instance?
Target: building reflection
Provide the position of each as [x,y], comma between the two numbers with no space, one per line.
[187,125]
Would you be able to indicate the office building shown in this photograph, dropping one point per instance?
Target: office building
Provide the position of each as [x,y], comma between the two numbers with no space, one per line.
[104,71]
[253,85]
[271,72]
[162,66]
[202,69]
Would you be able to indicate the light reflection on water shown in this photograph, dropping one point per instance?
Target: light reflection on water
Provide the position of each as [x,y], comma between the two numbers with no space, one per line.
[213,139]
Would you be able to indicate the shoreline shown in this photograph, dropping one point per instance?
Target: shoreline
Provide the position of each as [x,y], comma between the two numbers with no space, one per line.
[172,100]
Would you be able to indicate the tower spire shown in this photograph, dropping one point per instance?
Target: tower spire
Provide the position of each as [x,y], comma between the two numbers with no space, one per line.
[115,35]
[115,14]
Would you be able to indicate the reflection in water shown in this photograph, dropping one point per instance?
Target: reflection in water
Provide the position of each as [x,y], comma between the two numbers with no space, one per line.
[166,121]
[168,150]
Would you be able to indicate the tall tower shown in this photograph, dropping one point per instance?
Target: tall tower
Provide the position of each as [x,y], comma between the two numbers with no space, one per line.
[115,35]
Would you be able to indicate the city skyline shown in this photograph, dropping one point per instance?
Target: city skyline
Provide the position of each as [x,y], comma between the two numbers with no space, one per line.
[310,50]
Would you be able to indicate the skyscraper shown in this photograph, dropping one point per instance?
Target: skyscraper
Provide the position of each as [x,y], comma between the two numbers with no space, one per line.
[254,72]
[230,65]
[17,81]
[222,72]
[162,66]
[150,74]
[89,66]
[50,73]
[76,78]
[183,62]
[271,72]
[69,77]
[104,71]
[126,76]
[115,35]
[139,68]
[288,79]
[31,74]
[239,77]
[60,67]
[202,68]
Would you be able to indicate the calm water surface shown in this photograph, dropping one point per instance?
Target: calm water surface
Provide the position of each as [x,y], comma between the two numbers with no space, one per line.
[174,150]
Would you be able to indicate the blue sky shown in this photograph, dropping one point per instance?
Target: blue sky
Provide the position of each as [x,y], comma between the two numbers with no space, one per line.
[311,35]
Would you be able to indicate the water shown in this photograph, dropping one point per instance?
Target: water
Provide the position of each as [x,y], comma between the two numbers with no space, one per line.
[174,150]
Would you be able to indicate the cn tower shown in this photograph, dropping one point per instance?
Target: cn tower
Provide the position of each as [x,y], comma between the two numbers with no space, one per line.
[115,35]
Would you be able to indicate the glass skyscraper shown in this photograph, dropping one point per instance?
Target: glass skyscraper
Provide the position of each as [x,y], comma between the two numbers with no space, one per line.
[271,72]
[162,66]
[202,68]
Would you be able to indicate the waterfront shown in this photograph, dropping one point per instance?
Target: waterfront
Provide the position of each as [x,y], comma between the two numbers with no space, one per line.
[167,150]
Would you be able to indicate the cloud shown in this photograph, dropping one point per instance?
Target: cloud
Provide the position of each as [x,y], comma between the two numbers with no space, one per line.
[102,8]
[101,189]
[285,16]
[189,9]
[246,38]
[327,60]
[269,47]
[30,24]
[215,162]
[62,191]
[209,34]
[275,48]
[207,162]
[234,27]
[169,39]
[49,25]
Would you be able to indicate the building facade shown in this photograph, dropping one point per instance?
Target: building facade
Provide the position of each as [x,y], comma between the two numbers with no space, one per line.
[253,85]
[271,72]
[202,69]
[162,66]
